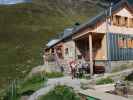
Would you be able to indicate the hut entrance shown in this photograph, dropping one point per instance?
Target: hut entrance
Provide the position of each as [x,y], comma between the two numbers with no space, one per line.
[83,50]
[90,54]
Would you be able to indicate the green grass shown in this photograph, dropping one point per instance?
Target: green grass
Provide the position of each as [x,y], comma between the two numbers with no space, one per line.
[24,88]
[48,74]
[32,84]
[104,81]
[35,82]
[25,29]
[60,93]
[54,74]
[23,35]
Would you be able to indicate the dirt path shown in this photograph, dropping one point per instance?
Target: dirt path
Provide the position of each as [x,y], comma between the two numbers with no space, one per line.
[74,83]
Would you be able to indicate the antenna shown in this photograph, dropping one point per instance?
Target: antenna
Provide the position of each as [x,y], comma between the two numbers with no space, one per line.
[108,24]
[110,12]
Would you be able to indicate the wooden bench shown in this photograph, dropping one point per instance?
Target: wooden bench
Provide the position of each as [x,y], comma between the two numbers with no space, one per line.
[99,69]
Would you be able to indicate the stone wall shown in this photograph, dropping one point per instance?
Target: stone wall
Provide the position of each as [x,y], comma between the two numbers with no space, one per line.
[118,65]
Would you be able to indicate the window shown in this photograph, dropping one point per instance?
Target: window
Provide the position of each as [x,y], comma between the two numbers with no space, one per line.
[124,21]
[79,56]
[114,20]
[52,50]
[66,51]
[118,20]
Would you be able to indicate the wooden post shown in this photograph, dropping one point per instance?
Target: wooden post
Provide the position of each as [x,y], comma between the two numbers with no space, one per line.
[50,51]
[91,54]
[75,50]
[128,22]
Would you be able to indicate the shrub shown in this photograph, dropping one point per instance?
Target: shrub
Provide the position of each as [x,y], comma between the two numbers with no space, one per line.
[60,93]
[53,74]
[129,77]
[11,92]
[104,81]
[35,82]
[31,84]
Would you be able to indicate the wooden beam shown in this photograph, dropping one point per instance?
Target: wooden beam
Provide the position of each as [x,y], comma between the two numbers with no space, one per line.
[79,35]
[75,42]
[50,50]
[91,54]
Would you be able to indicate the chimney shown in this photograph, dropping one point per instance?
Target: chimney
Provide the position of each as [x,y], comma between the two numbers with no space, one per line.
[76,25]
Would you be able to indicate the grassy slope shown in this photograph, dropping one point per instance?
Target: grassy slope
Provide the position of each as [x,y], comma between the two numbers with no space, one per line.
[24,30]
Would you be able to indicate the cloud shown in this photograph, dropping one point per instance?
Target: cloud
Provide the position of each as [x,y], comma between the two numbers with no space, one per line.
[13,1]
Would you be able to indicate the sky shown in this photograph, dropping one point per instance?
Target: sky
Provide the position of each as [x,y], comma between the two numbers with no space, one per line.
[21,1]
[13,1]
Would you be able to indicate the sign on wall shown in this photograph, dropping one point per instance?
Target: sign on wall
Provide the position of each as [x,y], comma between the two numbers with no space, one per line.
[120,46]
[125,42]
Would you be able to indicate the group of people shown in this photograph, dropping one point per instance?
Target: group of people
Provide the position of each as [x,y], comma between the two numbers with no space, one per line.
[76,67]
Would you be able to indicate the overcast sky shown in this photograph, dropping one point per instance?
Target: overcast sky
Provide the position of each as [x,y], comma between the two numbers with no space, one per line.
[12,1]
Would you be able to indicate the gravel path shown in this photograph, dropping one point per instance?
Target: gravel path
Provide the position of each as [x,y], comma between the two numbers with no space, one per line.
[74,83]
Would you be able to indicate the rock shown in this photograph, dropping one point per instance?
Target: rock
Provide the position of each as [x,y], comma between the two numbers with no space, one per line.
[87,84]
[36,70]
[24,98]
[44,68]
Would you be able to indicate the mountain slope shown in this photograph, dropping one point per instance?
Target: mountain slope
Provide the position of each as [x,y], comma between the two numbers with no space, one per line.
[25,29]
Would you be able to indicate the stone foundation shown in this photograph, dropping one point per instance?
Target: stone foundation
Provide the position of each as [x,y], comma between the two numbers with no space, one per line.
[115,65]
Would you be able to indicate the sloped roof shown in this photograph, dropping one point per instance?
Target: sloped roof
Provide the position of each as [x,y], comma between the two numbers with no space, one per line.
[52,42]
[101,16]
[67,32]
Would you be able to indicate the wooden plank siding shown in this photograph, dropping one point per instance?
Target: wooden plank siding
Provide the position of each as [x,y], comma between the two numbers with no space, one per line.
[121,23]
[98,47]
[121,47]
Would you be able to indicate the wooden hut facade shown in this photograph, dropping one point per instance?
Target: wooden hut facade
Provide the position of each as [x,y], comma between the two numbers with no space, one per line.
[104,39]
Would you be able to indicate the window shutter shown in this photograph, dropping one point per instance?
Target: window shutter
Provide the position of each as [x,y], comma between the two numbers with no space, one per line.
[122,19]
[119,20]
[126,21]
[114,20]
[130,22]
